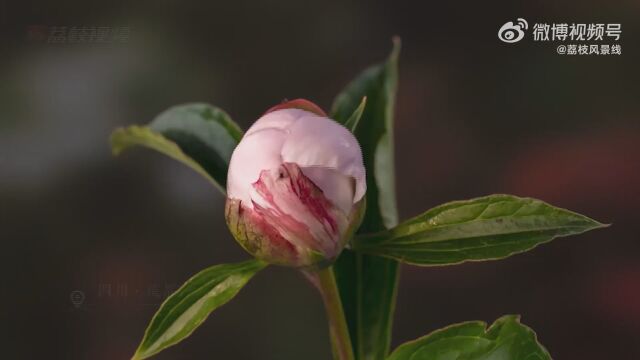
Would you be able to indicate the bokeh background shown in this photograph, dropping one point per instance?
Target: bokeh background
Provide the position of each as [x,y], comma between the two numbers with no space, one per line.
[474,116]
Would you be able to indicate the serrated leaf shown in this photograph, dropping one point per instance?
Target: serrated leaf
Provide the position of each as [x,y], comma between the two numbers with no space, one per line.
[190,305]
[199,135]
[486,228]
[368,283]
[505,339]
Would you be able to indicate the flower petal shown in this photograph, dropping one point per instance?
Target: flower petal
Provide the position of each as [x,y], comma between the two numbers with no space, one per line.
[336,187]
[279,119]
[256,152]
[302,213]
[315,141]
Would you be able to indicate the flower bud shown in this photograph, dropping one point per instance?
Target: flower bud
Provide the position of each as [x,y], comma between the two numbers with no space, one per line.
[295,187]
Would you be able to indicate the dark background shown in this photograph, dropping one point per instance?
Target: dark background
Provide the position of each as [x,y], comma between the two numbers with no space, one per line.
[474,116]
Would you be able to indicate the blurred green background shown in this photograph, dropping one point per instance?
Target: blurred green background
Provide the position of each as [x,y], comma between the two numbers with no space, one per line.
[474,116]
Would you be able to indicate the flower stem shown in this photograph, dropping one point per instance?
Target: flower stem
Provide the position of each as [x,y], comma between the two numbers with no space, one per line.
[338,330]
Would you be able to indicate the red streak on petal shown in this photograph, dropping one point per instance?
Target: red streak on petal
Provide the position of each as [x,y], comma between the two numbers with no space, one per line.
[311,196]
[292,187]
[274,214]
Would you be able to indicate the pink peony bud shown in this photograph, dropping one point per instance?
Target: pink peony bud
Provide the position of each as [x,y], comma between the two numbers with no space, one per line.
[295,188]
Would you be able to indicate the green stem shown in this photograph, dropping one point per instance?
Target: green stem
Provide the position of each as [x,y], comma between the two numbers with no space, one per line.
[338,330]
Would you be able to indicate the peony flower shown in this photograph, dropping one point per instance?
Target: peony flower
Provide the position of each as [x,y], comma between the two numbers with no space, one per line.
[295,187]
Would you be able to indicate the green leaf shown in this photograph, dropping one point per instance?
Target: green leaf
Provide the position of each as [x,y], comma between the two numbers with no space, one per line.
[354,119]
[199,135]
[368,283]
[190,305]
[506,339]
[368,292]
[486,228]
[375,135]
[124,138]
